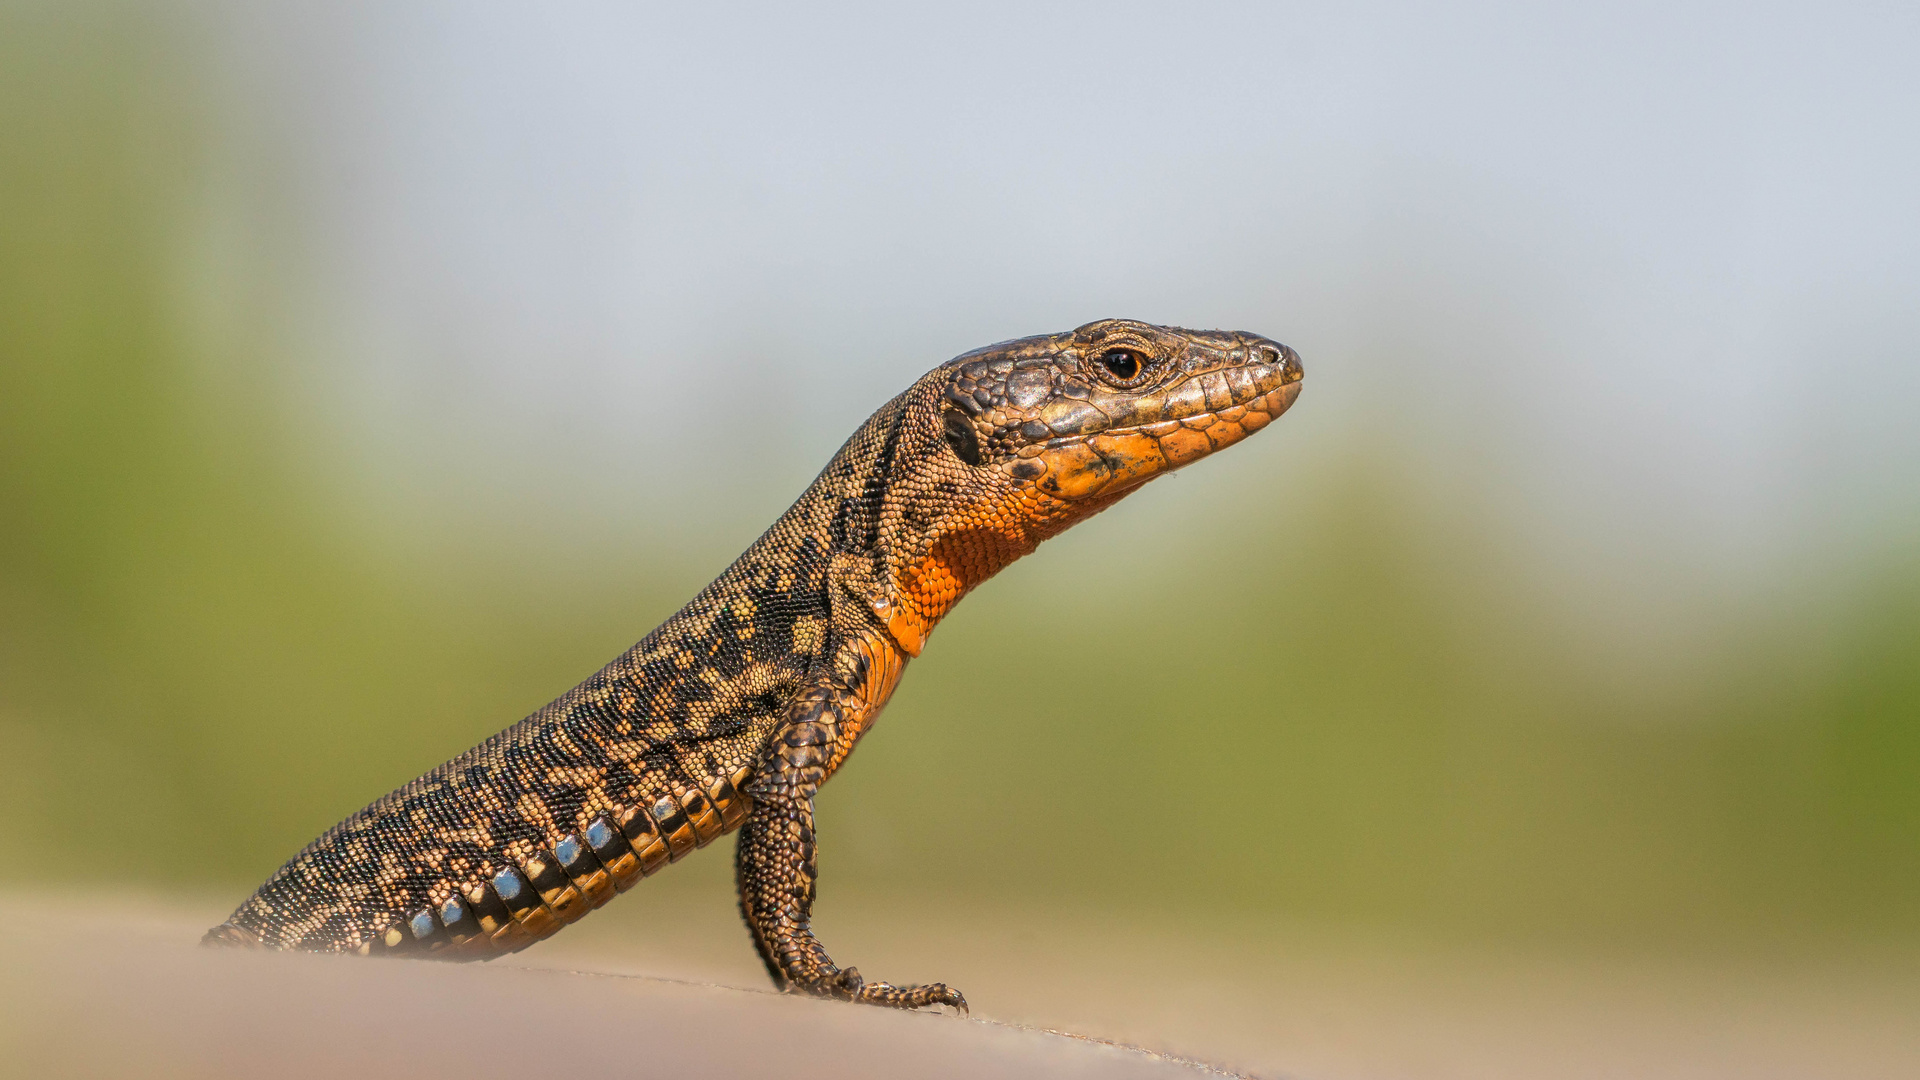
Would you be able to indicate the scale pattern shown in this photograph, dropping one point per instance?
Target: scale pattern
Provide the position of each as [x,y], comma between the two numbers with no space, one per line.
[734,711]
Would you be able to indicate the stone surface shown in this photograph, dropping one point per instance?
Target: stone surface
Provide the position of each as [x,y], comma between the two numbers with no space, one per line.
[88,994]
[112,986]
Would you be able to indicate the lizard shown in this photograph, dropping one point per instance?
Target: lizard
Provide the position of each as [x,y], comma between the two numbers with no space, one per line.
[732,713]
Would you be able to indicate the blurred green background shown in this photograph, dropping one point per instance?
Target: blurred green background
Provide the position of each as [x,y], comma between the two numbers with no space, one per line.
[1415,659]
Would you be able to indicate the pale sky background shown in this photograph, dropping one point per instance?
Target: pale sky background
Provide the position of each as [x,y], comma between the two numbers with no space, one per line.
[1646,275]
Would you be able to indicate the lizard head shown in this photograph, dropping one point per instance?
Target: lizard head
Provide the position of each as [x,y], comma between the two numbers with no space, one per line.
[1025,438]
[1085,417]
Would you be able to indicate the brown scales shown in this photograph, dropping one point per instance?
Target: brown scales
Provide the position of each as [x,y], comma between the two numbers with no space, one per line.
[734,711]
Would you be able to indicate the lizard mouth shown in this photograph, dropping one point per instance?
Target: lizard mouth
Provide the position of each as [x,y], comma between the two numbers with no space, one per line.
[1106,463]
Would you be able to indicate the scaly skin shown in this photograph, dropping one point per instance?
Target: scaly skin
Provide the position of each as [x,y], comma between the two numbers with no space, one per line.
[736,710]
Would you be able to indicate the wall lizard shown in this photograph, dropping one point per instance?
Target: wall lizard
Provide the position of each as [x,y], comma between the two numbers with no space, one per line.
[734,711]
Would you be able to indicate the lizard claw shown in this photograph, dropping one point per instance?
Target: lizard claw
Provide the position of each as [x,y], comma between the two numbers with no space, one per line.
[942,994]
[847,985]
[913,997]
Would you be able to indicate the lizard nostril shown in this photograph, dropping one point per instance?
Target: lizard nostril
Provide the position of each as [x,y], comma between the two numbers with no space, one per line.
[1279,356]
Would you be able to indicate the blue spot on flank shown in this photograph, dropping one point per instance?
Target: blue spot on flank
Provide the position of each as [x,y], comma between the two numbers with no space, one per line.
[507,884]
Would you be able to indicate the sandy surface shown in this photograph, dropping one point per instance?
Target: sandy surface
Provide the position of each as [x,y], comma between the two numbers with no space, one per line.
[670,988]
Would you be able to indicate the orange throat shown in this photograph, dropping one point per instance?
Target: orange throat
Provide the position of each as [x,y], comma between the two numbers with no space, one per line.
[926,589]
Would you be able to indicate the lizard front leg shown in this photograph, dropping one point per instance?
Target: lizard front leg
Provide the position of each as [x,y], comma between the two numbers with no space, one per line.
[776,864]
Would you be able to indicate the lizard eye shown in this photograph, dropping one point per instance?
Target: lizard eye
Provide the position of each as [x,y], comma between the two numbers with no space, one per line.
[1121,367]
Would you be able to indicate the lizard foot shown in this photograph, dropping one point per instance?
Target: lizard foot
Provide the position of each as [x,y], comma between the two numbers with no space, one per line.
[847,985]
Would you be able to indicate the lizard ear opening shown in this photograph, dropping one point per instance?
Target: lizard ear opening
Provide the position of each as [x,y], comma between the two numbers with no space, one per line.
[961,436]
